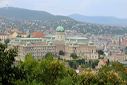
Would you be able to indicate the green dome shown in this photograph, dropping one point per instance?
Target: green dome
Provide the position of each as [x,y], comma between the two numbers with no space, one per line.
[60,29]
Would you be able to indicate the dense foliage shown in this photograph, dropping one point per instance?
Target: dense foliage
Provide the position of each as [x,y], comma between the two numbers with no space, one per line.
[51,71]
[8,70]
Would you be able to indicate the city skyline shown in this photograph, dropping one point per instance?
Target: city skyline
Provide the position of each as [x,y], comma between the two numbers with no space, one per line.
[67,7]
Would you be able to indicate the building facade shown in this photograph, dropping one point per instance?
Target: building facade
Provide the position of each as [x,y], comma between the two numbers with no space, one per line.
[3,36]
[37,50]
[38,47]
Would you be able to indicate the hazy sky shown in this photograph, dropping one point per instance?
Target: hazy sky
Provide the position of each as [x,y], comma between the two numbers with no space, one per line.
[117,8]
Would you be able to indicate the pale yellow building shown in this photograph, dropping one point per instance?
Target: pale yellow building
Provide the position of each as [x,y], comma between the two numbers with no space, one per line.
[13,35]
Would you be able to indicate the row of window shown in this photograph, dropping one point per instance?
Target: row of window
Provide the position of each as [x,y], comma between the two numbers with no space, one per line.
[44,48]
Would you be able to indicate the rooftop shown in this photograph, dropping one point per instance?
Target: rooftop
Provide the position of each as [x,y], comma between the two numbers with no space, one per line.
[76,37]
[60,29]
[37,35]
[28,38]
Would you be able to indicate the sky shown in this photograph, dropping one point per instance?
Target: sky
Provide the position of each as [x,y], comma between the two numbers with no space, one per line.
[115,8]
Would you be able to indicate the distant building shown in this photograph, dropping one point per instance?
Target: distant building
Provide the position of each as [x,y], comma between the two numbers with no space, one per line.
[117,57]
[14,34]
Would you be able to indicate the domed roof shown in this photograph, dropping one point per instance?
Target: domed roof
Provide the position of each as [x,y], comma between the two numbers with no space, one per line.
[60,29]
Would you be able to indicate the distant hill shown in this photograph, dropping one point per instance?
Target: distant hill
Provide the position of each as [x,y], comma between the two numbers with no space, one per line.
[41,18]
[20,13]
[99,19]
[32,20]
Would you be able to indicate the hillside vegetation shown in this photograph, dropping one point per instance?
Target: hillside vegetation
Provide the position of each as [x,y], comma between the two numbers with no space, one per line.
[24,19]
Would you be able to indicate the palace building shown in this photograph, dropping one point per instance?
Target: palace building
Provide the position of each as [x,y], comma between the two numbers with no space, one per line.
[38,47]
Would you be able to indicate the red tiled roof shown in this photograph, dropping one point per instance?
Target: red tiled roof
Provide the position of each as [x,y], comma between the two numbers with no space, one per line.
[38,35]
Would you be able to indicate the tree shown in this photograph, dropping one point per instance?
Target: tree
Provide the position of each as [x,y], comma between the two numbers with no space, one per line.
[113,74]
[7,58]
[74,55]
[66,81]
[61,53]
[100,52]
[88,78]
[7,41]
[51,71]
[47,71]
[49,55]
[30,67]
[73,64]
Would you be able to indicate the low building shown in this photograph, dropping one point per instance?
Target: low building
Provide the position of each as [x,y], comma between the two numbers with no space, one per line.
[117,57]
[15,34]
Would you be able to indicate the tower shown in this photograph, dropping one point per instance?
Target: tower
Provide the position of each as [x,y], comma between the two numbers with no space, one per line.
[60,33]
[60,39]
